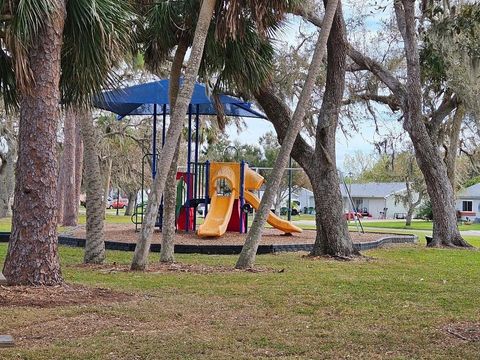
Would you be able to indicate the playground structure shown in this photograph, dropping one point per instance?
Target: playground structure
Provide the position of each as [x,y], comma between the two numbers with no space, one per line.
[225,187]
[231,190]
[225,190]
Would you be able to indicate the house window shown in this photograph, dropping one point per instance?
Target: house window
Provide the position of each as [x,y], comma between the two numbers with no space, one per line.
[358,204]
[467,205]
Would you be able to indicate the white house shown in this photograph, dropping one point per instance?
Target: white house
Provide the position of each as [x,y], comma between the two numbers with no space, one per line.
[376,199]
[468,200]
[300,195]
[304,197]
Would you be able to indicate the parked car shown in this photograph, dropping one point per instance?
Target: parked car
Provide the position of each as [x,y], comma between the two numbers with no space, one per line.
[83,201]
[284,211]
[350,215]
[118,204]
[108,204]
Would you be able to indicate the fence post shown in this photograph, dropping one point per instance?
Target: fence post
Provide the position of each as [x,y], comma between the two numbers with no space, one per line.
[241,197]
[189,164]
[207,186]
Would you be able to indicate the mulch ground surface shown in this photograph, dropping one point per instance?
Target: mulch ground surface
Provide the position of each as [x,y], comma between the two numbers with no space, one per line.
[52,296]
[126,233]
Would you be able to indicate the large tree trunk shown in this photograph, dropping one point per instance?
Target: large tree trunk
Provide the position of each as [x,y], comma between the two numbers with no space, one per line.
[95,238]
[170,194]
[429,158]
[279,114]
[132,197]
[69,148]
[439,188]
[333,237]
[32,257]
[140,258]
[249,250]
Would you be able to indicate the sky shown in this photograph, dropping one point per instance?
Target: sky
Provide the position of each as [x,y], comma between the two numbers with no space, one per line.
[346,144]
[356,141]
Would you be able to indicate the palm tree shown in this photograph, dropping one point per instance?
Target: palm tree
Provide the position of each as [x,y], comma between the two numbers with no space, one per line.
[103,39]
[95,206]
[139,261]
[249,250]
[240,59]
[92,33]
[67,201]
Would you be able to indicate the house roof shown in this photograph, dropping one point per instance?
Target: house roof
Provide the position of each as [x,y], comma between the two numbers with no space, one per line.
[373,189]
[470,192]
[300,190]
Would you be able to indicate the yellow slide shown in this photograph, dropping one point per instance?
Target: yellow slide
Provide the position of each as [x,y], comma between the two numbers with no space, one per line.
[272,219]
[221,206]
[218,217]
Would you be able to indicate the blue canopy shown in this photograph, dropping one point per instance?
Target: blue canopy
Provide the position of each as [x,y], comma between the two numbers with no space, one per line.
[141,100]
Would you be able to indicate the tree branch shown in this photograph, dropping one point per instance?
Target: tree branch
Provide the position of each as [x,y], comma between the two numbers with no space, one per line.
[385,76]
[279,115]
[362,62]
[448,104]
[389,100]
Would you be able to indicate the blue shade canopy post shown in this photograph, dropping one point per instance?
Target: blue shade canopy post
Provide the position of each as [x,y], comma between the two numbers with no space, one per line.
[154,141]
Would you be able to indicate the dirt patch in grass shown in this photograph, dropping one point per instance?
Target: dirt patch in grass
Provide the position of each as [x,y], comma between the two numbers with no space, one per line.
[466,331]
[175,268]
[73,328]
[355,258]
[64,295]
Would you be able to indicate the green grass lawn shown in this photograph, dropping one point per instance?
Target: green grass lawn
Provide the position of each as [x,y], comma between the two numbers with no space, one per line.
[393,306]
[5,224]
[416,225]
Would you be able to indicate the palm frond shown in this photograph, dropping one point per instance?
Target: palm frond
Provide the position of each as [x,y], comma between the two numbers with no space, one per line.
[165,22]
[28,19]
[97,36]
[265,14]
[242,64]
[7,81]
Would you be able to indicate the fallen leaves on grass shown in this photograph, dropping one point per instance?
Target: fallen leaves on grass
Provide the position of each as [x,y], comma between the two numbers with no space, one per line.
[466,331]
[73,328]
[51,296]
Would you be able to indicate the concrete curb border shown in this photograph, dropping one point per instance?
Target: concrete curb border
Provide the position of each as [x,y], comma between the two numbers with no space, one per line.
[229,249]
